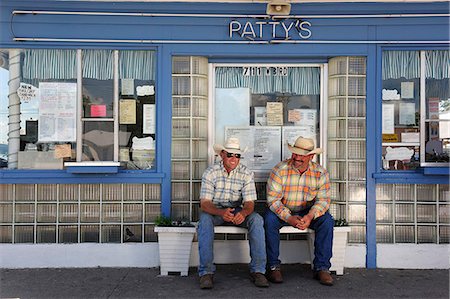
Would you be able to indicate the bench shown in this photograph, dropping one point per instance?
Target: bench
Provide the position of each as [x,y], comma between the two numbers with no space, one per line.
[337,262]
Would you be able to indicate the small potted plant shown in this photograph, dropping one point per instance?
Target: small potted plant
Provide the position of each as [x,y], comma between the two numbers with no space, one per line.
[175,243]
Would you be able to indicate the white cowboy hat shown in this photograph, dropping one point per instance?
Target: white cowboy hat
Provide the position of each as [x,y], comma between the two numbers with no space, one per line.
[231,146]
[304,146]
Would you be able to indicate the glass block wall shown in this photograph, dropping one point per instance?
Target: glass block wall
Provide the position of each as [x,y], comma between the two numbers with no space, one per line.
[189,134]
[78,213]
[413,213]
[346,142]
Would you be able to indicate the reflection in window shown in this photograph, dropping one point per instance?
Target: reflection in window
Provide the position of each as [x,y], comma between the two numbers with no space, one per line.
[415,126]
[137,109]
[4,77]
[401,109]
[437,107]
[48,99]
[98,141]
[267,103]
[49,103]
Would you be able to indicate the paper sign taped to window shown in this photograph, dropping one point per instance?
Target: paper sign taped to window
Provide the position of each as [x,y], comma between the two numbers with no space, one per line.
[294,115]
[63,151]
[390,138]
[98,110]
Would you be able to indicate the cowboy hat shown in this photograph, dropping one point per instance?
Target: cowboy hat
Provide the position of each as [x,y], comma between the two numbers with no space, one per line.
[304,146]
[231,146]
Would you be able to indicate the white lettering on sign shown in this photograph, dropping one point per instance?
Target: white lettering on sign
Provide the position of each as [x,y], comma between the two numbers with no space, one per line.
[265,71]
[270,30]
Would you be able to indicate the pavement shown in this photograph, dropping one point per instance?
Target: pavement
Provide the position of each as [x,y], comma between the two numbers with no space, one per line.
[230,281]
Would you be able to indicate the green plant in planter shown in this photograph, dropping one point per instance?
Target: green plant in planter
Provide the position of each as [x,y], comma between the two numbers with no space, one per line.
[162,220]
[340,222]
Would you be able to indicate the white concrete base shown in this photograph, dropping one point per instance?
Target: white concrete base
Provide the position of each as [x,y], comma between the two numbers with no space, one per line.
[413,256]
[79,255]
[402,256]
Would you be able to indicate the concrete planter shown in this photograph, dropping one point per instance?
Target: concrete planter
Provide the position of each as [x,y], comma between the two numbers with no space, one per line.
[175,245]
[340,237]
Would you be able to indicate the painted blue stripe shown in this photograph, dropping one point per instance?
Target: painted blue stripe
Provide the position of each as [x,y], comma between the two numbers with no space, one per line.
[371,141]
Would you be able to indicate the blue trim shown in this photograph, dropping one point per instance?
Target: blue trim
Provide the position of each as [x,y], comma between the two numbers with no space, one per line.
[284,59]
[165,124]
[436,171]
[409,177]
[63,177]
[92,169]
[371,127]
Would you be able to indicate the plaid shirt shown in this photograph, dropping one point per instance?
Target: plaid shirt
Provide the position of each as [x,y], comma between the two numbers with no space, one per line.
[228,189]
[289,191]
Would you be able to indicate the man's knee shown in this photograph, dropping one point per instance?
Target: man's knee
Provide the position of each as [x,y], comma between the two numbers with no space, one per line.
[271,220]
[326,221]
[255,219]
[206,220]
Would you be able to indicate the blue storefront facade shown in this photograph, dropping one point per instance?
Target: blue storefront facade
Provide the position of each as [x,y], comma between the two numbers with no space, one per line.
[109,111]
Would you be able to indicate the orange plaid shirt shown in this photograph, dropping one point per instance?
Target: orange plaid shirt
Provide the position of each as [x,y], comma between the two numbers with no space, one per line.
[288,191]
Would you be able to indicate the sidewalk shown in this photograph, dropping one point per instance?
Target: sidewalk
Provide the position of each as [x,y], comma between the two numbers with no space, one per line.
[231,281]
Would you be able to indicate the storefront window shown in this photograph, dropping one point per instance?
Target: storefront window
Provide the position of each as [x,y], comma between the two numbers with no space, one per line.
[98,105]
[437,107]
[109,123]
[137,109]
[415,109]
[265,106]
[4,77]
[48,106]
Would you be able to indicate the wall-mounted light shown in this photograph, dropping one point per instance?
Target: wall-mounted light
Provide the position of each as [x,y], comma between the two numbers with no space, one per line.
[278,8]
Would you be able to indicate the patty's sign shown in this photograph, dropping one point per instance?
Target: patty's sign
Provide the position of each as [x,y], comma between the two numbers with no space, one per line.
[270,29]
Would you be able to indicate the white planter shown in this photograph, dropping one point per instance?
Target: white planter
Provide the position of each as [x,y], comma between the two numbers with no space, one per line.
[175,248]
[339,247]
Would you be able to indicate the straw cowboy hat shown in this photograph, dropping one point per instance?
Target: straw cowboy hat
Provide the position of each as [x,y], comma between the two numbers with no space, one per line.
[304,146]
[231,146]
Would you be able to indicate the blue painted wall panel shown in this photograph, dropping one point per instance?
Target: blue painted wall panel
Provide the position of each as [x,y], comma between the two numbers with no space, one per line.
[195,28]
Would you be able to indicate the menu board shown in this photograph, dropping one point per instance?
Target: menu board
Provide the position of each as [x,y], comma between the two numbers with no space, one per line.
[57,112]
[262,144]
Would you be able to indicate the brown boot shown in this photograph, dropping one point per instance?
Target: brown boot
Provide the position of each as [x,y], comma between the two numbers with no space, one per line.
[274,275]
[259,280]
[324,277]
[206,281]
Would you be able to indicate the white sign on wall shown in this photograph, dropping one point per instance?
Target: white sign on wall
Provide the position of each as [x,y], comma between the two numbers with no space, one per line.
[263,145]
[57,112]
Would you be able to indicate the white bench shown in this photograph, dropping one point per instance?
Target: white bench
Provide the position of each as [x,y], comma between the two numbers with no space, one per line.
[337,263]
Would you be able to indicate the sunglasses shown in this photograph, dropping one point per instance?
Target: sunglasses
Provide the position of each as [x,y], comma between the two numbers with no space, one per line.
[229,155]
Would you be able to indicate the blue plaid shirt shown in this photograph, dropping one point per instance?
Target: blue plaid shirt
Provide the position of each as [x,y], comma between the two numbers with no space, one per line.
[228,190]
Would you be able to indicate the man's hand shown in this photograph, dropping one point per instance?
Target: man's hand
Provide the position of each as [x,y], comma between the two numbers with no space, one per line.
[306,221]
[228,215]
[295,221]
[239,218]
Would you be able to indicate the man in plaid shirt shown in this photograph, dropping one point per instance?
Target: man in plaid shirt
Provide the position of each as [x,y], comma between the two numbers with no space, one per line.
[298,194]
[227,197]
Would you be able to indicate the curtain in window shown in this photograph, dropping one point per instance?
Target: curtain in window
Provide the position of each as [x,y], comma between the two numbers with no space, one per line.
[300,80]
[98,64]
[139,65]
[49,64]
[437,64]
[401,64]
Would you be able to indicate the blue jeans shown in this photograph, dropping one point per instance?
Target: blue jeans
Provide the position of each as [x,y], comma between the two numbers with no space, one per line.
[205,234]
[323,243]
